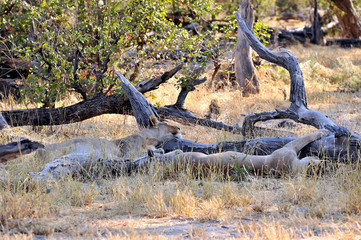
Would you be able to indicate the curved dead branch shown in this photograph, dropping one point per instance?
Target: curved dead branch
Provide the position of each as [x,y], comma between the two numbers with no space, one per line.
[298,110]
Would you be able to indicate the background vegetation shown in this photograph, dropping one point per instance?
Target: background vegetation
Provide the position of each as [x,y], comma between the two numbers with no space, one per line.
[75,46]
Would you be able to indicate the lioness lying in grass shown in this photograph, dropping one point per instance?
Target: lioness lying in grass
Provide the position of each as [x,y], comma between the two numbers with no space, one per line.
[80,153]
[284,159]
[133,145]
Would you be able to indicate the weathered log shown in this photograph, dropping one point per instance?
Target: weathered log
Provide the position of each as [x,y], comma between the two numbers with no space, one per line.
[14,149]
[244,69]
[187,118]
[184,117]
[342,148]
[85,165]
[345,43]
[298,109]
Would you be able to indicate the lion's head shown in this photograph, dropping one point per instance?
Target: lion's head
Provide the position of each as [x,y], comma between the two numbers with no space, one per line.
[161,131]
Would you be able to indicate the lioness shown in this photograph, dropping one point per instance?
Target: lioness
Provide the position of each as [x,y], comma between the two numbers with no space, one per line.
[284,159]
[130,146]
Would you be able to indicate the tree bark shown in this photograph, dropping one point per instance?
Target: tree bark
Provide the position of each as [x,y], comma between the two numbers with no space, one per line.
[348,19]
[244,69]
[141,108]
[14,149]
[317,34]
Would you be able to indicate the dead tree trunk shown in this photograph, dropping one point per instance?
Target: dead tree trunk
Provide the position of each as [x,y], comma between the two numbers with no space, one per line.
[298,110]
[317,34]
[348,19]
[245,73]
[14,149]
[338,147]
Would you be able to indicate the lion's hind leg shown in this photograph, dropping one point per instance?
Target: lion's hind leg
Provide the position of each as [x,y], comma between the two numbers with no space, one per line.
[299,143]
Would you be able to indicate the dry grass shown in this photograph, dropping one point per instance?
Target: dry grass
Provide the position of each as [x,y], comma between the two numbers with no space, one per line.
[171,203]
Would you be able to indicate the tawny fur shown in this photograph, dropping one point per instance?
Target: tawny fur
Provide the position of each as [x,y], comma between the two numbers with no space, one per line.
[284,159]
[130,146]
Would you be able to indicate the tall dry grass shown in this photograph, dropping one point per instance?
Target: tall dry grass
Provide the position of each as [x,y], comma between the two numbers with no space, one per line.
[174,203]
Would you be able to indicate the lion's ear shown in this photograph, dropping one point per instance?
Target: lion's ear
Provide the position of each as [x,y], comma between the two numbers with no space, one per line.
[153,120]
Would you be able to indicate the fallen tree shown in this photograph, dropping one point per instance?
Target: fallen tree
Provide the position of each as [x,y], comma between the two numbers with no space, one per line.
[13,149]
[107,104]
[93,165]
[84,164]
[342,145]
[101,104]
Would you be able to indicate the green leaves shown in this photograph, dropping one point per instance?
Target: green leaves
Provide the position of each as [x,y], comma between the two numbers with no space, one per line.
[262,32]
[75,44]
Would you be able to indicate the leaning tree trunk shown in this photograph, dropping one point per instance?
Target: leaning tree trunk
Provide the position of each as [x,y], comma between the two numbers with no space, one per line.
[348,19]
[141,108]
[245,72]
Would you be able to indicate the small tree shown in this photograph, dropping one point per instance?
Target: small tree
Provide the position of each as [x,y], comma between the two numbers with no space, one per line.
[75,45]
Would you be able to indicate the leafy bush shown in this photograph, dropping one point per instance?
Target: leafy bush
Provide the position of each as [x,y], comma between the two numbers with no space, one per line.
[74,45]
